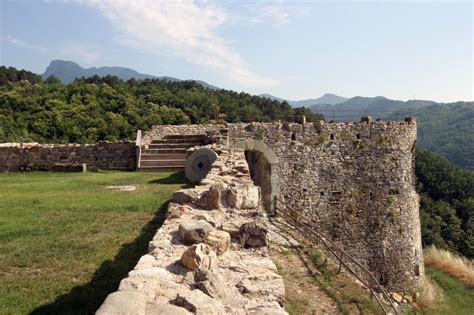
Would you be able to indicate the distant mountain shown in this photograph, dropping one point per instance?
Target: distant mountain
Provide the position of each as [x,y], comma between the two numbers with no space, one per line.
[378,107]
[327,98]
[67,71]
[273,98]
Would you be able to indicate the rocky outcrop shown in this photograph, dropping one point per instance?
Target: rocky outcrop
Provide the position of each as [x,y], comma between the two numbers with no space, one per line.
[210,256]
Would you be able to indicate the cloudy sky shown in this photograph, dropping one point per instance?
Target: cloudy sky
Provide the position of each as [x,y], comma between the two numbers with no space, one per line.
[291,49]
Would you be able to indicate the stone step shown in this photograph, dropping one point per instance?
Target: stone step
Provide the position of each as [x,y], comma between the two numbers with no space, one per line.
[161,163]
[172,145]
[165,151]
[160,168]
[163,156]
[160,141]
[185,137]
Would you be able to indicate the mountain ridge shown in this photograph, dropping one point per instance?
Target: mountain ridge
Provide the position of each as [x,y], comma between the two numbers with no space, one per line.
[327,98]
[67,71]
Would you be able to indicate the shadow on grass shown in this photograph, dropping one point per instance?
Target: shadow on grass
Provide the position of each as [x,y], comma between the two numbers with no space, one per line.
[173,178]
[87,298]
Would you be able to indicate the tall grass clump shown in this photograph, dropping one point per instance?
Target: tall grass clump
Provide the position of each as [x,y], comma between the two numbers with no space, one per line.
[454,265]
[430,297]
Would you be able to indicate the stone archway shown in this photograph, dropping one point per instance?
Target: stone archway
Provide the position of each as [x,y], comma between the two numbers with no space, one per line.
[263,165]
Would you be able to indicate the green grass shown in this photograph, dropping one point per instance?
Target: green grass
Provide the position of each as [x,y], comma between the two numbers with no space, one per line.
[458,297]
[66,242]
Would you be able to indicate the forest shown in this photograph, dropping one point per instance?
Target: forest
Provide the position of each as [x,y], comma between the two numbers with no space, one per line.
[448,130]
[447,203]
[107,108]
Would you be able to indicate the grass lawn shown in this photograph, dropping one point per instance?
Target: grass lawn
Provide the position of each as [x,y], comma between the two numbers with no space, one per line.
[459,298]
[66,241]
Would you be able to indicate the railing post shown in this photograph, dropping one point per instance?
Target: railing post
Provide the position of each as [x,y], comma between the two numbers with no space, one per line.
[340,262]
[138,146]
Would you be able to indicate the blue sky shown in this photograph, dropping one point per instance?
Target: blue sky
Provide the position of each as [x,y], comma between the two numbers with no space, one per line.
[294,50]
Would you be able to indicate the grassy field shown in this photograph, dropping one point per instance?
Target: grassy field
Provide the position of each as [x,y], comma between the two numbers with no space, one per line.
[66,241]
[458,297]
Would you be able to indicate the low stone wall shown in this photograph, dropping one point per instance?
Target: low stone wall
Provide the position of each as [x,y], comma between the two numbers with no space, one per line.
[210,256]
[56,157]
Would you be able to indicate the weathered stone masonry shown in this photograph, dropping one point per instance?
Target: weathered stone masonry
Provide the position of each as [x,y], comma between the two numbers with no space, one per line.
[355,180]
[193,267]
[50,157]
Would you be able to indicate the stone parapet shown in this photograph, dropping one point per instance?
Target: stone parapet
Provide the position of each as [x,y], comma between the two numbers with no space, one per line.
[210,256]
[51,157]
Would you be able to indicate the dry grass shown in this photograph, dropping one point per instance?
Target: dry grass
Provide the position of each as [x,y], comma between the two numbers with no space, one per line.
[456,266]
[430,297]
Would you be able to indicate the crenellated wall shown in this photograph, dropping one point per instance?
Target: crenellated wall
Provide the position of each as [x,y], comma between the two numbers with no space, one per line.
[56,157]
[355,180]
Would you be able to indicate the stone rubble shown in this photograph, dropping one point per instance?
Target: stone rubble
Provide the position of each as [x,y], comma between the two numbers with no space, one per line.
[210,256]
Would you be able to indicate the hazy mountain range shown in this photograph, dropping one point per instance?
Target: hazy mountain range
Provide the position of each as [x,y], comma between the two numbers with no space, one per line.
[327,98]
[67,71]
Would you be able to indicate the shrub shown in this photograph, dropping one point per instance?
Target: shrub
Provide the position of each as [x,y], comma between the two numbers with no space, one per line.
[456,266]
[430,297]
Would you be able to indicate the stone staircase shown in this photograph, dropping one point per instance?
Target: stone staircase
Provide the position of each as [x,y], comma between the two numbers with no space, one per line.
[168,152]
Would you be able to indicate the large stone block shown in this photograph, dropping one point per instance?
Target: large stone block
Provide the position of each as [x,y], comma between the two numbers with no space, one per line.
[243,196]
[210,199]
[194,231]
[200,256]
[165,309]
[253,234]
[185,196]
[219,241]
[199,303]
[124,303]
[213,217]
[209,283]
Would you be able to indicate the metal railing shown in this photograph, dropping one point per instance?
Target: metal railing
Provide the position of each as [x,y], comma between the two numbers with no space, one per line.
[302,224]
[138,145]
[357,114]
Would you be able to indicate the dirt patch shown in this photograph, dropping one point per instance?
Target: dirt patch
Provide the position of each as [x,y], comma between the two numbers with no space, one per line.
[313,283]
[122,188]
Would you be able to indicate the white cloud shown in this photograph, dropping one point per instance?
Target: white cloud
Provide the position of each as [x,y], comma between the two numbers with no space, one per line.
[276,12]
[84,53]
[183,28]
[24,44]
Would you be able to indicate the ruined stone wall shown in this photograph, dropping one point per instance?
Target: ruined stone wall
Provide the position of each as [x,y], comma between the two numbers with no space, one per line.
[52,157]
[210,256]
[356,181]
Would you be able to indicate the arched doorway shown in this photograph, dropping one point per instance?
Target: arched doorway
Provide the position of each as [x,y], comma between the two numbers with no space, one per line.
[263,166]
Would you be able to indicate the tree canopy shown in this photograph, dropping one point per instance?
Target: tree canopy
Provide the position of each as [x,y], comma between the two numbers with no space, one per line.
[108,108]
[447,203]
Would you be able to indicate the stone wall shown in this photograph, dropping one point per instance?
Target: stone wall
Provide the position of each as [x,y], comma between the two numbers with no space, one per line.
[160,131]
[356,181]
[57,157]
[210,256]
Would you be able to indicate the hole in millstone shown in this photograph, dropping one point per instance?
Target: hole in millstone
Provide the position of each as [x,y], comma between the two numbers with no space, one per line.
[200,164]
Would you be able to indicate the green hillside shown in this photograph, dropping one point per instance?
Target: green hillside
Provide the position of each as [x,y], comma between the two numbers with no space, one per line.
[108,108]
[447,203]
[448,130]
